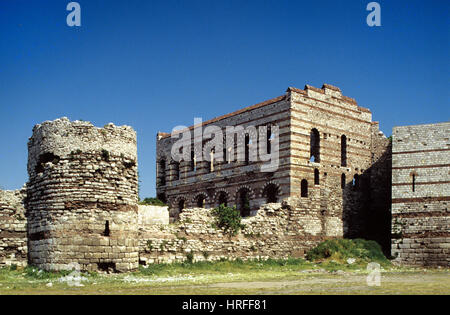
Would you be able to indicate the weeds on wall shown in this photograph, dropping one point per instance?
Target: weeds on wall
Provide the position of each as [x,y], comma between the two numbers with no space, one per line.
[228,219]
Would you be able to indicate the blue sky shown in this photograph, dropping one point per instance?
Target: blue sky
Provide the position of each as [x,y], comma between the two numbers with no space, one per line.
[158,64]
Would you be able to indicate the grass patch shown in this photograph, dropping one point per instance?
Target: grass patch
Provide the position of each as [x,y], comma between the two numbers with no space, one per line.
[152,202]
[224,267]
[338,251]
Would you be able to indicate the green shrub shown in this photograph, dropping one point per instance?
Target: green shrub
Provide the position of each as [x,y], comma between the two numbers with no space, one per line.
[152,202]
[105,155]
[190,258]
[340,250]
[228,219]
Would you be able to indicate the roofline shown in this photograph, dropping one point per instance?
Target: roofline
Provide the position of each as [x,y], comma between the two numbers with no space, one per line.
[216,119]
[162,135]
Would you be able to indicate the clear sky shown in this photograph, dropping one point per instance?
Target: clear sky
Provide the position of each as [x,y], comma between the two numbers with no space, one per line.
[158,64]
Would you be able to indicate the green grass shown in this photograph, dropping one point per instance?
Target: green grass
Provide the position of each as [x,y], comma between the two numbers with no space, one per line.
[326,272]
[291,276]
[152,202]
[340,250]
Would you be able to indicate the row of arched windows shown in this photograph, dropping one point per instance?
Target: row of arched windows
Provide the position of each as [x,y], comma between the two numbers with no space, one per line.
[210,164]
[242,199]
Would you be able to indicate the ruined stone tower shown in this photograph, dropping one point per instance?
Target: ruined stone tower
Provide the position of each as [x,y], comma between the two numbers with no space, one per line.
[82,196]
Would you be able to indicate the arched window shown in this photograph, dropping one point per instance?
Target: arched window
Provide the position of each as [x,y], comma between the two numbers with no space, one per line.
[162,172]
[316,177]
[343,181]
[223,200]
[271,193]
[200,201]
[180,205]
[243,202]
[315,146]
[343,150]
[304,188]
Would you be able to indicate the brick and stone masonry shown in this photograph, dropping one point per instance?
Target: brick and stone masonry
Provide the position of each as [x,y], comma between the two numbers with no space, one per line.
[331,157]
[13,233]
[421,194]
[333,180]
[82,196]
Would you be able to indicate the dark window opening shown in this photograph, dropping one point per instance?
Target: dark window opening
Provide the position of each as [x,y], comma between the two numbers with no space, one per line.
[269,139]
[244,203]
[343,180]
[162,197]
[108,267]
[316,177]
[180,205]
[201,201]
[107,231]
[46,158]
[129,165]
[162,172]
[304,188]
[271,193]
[247,149]
[315,146]
[176,169]
[343,150]
[414,183]
[223,200]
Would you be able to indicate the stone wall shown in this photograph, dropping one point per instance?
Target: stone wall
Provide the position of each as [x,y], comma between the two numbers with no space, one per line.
[82,196]
[275,231]
[421,194]
[228,179]
[151,215]
[13,233]
[346,176]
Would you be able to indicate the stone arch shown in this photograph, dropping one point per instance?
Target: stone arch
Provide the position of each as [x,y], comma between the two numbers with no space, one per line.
[251,192]
[244,195]
[201,196]
[178,199]
[219,195]
[271,185]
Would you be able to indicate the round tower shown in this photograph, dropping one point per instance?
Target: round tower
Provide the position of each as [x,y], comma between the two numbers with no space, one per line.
[82,196]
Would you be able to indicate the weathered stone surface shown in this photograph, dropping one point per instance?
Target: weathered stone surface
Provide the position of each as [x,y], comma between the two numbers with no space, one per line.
[82,196]
[350,147]
[420,194]
[13,233]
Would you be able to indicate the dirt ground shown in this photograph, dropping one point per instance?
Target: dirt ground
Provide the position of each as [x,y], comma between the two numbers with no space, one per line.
[298,283]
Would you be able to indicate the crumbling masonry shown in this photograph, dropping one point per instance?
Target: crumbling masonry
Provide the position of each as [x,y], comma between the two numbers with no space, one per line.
[82,196]
[333,180]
